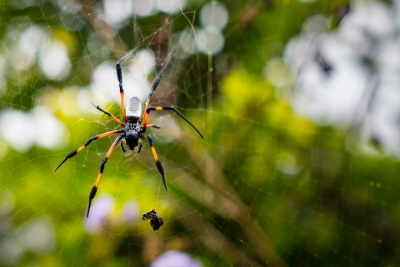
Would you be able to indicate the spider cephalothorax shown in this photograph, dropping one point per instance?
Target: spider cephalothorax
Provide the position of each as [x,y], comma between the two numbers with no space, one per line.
[134,128]
[132,132]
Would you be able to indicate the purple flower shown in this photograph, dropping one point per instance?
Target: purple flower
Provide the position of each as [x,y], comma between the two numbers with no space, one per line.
[175,258]
[131,212]
[101,207]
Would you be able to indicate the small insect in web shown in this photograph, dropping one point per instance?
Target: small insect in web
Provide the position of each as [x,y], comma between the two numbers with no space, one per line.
[133,130]
[155,219]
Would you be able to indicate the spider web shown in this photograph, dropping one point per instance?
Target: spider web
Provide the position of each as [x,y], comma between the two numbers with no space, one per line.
[285,176]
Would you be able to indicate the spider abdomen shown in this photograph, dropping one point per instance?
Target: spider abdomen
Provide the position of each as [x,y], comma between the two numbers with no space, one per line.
[133,109]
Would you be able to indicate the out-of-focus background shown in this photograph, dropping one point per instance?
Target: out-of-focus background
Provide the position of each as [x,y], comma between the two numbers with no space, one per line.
[298,102]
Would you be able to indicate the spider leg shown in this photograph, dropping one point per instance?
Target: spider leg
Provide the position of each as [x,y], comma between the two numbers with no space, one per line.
[158,163]
[154,86]
[153,126]
[108,114]
[122,147]
[139,147]
[103,163]
[146,116]
[121,88]
[88,142]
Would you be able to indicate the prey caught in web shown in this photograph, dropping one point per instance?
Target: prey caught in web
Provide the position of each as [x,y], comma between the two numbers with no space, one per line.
[156,221]
[134,128]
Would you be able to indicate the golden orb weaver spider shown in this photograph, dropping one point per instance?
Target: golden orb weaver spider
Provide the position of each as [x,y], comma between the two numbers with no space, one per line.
[134,128]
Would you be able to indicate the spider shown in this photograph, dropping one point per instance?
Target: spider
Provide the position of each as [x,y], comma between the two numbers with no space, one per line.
[155,219]
[134,128]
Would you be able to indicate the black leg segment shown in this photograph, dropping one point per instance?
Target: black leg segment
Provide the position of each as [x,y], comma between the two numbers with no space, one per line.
[146,117]
[158,163]
[91,196]
[88,142]
[154,87]
[103,163]
[108,114]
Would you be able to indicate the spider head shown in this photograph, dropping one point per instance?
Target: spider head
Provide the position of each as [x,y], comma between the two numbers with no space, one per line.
[133,109]
[132,134]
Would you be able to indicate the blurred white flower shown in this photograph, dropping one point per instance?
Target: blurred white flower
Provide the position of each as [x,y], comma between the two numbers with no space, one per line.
[350,76]
[54,61]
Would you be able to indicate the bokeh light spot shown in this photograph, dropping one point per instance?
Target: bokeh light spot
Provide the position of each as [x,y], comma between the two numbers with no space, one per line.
[214,14]
[171,6]
[210,40]
[55,62]
[118,11]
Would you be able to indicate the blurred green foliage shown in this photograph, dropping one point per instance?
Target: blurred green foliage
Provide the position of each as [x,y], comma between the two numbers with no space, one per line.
[264,187]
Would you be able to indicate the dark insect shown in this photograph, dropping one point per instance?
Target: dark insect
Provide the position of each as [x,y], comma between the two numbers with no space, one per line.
[134,128]
[155,219]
